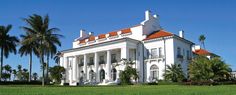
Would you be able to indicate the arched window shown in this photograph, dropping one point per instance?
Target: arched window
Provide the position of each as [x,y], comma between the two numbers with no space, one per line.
[91,75]
[113,74]
[102,75]
[154,73]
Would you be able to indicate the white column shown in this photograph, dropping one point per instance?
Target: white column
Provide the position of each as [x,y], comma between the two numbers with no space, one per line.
[96,66]
[61,61]
[85,66]
[63,65]
[78,70]
[108,66]
[125,53]
[74,71]
[66,69]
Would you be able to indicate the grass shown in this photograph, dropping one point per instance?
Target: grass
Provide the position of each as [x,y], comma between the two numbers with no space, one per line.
[119,90]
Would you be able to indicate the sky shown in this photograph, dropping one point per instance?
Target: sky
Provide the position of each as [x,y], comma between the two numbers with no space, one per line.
[216,19]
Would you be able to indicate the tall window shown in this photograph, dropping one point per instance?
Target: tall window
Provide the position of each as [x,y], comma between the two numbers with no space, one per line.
[160,52]
[102,75]
[91,75]
[81,62]
[91,62]
[153,53]
[154,73]
[113,74]
[178,51]
[113,58]
[101,60]
[183,52]
[188,54]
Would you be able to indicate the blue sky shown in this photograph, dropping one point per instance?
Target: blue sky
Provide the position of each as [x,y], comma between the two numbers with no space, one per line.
[216,19]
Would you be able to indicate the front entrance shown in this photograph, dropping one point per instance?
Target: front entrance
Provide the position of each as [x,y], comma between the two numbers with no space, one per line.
[102,75]
[113,74]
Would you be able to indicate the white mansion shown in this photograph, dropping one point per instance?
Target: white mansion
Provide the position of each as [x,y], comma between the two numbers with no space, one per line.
[97,59]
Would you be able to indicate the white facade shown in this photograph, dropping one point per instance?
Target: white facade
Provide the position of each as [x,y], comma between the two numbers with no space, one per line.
[94,59]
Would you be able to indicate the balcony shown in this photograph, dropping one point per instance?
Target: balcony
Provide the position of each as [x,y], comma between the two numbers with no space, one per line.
[101,62]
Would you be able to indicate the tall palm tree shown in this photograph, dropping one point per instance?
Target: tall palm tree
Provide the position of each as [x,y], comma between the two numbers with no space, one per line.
[28,48]
[8,44]
[202,39]
[51,49]
[38,28]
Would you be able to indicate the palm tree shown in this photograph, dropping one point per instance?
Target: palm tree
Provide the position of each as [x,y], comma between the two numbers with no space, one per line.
[57,57]
[45,37]
[202,39]
[51,49]
[200,69]
[174,73]
[8,44]
[219,68]
[27,48]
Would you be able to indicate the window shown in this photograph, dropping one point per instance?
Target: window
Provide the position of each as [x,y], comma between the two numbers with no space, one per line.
[81,62]
[154,73]
[91,75]
[102,75]
[160,52]
[188,54]
[113,58]
[154,53]
[113,74]
[101,60]
[183,52]
[91,62]
[178,51]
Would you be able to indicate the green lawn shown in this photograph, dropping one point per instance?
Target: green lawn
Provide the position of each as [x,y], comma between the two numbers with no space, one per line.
[120,90]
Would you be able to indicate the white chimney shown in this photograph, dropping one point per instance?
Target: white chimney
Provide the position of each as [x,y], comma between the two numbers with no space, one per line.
[196,47]
[181,34]
[148,15]
[82,33]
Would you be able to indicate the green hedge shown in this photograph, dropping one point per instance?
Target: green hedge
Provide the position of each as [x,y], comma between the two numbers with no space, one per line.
[20,83]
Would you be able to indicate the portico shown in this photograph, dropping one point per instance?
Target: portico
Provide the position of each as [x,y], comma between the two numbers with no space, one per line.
[97,65]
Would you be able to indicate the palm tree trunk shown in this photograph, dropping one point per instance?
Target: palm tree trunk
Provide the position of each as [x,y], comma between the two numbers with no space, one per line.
[42,63]
[1,64]
[203,43]
[30,66]
[47,65]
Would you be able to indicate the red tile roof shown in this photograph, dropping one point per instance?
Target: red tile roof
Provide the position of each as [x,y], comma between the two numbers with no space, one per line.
[113,34]
[202,52]
[158,34]
[91,38]
[124,31]
[82,41]
[101,36]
